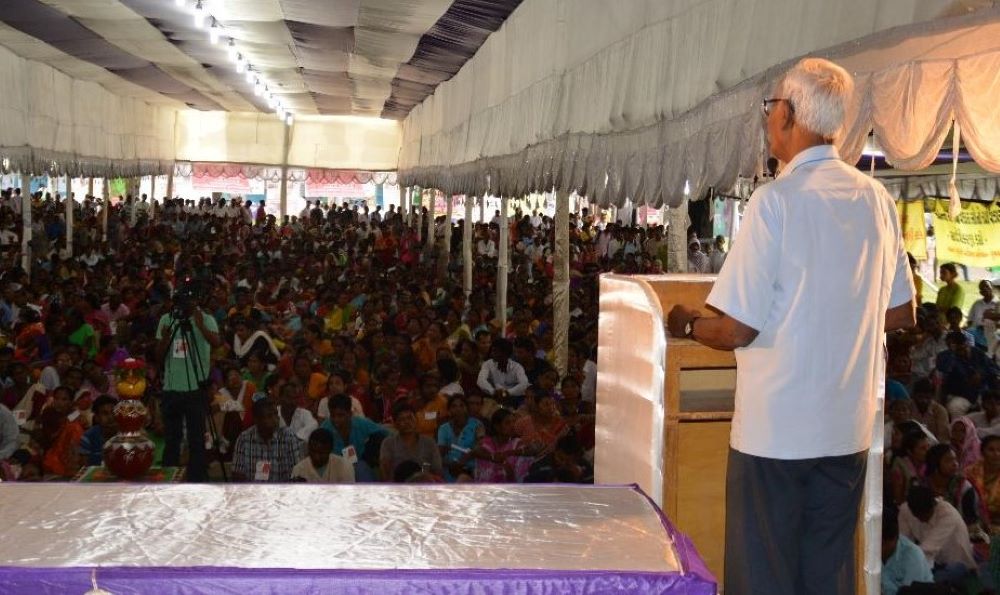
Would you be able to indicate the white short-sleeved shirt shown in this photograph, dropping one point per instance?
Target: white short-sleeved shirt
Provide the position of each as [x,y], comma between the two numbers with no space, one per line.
[817,262]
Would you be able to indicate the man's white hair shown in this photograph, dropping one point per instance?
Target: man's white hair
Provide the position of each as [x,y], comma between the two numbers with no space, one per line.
[819,91]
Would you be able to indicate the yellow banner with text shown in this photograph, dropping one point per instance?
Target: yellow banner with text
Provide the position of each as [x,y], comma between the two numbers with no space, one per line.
[911,222]
[972,238]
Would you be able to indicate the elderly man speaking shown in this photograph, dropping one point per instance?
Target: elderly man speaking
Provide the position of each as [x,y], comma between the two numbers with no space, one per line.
[815,278]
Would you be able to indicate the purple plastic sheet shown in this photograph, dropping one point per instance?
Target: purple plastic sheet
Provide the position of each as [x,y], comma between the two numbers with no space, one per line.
[203,580]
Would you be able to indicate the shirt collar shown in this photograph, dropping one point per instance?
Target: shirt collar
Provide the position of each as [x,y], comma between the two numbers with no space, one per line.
[815,153]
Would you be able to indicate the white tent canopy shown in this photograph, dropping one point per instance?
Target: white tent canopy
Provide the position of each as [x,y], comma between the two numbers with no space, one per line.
[332,142]
[123,87]
[52,122]
[618,100]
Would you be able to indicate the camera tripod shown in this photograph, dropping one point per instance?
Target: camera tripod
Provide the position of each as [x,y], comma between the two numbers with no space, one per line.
[181,328]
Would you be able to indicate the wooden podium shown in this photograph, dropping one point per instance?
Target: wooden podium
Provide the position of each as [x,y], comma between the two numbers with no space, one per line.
[687,407]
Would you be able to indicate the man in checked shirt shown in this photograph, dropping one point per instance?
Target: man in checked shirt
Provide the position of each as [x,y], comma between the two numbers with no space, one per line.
[266,452]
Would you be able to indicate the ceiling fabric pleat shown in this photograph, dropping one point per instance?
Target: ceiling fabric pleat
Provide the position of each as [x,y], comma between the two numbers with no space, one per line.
[639,100]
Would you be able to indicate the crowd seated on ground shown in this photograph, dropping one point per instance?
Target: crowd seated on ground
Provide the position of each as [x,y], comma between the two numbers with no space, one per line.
[348,351]
[942,462]
[342,346]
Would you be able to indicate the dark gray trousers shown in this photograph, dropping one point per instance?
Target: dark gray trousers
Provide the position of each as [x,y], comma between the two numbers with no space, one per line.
[790,524]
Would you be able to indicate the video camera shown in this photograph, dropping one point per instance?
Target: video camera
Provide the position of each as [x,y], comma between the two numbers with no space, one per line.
[184,298]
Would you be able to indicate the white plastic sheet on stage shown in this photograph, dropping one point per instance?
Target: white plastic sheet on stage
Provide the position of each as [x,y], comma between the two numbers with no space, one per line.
[634,99]
[47,116]
[335,142]
[353,527]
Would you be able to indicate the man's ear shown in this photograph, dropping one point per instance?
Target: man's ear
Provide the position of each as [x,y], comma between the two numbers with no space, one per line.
[789,118]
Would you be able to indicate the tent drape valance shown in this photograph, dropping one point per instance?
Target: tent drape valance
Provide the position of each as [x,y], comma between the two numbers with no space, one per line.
[273,174]
[610,99]
[972,187]
[52,123]
[340,176]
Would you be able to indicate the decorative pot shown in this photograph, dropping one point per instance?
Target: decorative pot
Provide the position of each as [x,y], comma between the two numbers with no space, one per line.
[130,387]
[129,453]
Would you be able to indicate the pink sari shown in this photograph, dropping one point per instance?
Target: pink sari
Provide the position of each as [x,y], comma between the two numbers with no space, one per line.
[968,453]
[490,472]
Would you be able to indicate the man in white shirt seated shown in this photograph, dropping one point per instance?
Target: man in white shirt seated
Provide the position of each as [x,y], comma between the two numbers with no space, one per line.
[941,533]
[321,465]
[297,419]
[987,421]
[486,247]
[984,315]
[501,377]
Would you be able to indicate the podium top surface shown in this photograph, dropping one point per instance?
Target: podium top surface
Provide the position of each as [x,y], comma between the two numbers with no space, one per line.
[357,527]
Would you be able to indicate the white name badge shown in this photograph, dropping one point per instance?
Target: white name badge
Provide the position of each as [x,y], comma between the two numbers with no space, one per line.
[263,471]
[180,349]
[430,415]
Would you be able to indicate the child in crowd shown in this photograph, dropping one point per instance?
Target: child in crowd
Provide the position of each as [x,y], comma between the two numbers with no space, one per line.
[105,426]
[322,466]
[500,457]
[19,467]
[59,435]
[566,464]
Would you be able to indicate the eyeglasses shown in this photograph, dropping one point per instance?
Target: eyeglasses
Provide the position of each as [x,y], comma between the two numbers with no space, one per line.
[766,104]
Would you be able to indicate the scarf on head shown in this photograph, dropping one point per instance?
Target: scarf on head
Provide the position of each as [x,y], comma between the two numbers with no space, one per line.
[242,348]
[969,454]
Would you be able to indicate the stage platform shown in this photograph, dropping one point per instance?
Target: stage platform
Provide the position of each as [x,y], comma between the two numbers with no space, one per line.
[386,539]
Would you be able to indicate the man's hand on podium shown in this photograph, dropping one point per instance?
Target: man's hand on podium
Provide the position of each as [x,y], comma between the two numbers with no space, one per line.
[718,332]
[678,319]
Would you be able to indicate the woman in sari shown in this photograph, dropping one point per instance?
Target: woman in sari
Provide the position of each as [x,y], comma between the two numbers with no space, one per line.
[907,467]
[965,441]
[985,476]
[943,476]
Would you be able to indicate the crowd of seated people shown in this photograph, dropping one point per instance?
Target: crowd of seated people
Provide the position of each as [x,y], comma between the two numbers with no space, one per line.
[941,520]
[349,352]
[345,348]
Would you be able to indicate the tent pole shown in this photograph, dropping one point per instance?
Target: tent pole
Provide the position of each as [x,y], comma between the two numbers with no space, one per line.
[420,215]
[404,206]
[90,186]
[503,264]
[482,209]
[26,223]
[560,284]
[133,194]
[170,182]
[446,248]
[151,207]
[467,248]
[105,205]
[69,216]
[432,224]
[283,195]
[677,238]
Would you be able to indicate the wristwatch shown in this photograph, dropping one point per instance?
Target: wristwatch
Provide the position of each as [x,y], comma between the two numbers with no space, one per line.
[689,328]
